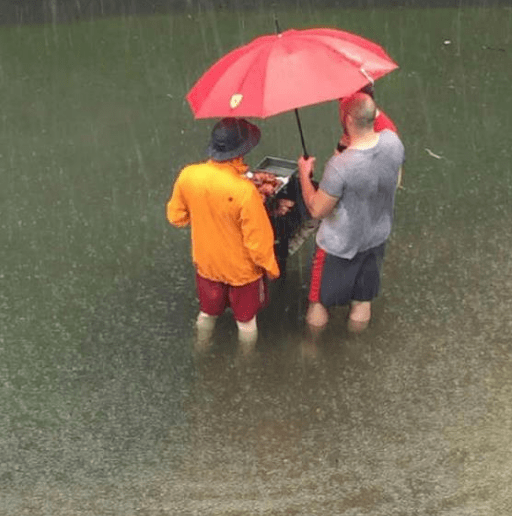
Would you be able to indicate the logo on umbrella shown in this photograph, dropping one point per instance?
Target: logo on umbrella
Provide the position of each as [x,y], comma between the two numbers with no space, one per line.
[235,100]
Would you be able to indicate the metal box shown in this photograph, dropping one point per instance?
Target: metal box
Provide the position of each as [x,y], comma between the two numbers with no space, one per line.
[278,166]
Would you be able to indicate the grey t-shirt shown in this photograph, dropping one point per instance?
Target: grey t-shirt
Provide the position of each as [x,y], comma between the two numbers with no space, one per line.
[365,182]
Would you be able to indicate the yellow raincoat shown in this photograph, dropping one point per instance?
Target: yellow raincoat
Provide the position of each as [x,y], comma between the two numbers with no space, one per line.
[232,238]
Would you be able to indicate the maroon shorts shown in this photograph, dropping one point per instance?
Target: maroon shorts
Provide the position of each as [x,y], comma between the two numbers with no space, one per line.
[245,301]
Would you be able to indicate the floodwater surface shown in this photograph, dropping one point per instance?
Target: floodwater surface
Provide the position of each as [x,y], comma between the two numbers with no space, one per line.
[102,407]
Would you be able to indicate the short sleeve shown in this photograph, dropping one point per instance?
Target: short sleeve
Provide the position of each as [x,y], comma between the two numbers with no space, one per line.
[332,182]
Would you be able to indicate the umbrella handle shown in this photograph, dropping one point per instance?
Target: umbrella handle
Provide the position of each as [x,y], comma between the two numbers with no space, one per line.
[305,152]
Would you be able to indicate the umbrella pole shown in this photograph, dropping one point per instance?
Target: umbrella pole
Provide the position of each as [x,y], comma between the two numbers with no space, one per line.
[306,155]
[276,21]
[305,152]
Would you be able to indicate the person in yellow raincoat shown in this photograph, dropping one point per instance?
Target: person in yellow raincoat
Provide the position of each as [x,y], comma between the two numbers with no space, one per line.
[232,237]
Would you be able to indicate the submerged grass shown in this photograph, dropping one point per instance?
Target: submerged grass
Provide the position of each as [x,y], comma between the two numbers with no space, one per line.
[96,294]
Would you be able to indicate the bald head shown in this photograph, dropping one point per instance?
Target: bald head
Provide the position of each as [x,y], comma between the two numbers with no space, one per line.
[362,109]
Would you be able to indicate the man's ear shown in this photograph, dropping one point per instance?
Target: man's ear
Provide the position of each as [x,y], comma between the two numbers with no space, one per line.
[346,119]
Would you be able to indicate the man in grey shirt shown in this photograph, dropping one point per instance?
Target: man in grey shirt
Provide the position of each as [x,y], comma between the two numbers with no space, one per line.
[355,201]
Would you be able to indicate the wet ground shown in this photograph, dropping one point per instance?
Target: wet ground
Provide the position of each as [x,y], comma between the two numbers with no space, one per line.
[102,408]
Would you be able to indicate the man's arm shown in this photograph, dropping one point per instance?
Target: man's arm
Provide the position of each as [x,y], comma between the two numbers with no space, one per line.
[258,235]
[177,210]
[319,203]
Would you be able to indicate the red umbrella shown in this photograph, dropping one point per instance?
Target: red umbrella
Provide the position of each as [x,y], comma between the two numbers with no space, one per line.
[288,70]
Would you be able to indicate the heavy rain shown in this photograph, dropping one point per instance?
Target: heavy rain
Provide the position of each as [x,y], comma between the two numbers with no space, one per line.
[103,410]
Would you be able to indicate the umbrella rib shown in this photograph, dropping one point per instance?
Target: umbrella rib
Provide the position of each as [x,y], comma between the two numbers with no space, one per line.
[261,56]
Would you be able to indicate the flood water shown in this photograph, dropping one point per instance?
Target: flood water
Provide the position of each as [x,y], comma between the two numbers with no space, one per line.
[102,407]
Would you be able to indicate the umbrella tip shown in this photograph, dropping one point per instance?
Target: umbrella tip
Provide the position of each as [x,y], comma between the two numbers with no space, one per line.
[276,22]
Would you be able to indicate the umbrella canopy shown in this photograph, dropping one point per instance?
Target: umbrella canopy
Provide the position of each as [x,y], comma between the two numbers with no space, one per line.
[285,71]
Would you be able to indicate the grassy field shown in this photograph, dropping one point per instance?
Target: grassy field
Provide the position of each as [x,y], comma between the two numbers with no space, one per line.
[96,293]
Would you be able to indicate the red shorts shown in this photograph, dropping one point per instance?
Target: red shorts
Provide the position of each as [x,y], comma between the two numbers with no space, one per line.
[245,301]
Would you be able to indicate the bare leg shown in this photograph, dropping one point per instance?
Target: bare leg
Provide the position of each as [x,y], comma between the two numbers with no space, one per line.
[247,336]
[317,315]
[316,318]
[359,316]
[205,325]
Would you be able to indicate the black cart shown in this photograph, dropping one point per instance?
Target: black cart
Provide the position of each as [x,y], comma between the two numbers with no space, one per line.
[297,220]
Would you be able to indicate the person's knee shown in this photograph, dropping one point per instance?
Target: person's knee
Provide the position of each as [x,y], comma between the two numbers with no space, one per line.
[205,325]
[359,316]
[205,321]
[360,311]
[248,326]
[317,315]
[247,334]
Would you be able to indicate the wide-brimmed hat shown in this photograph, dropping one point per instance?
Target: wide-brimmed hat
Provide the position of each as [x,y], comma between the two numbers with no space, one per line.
[232,137]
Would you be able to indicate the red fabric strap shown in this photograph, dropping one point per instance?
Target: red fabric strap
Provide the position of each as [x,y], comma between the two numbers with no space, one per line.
[316,275]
